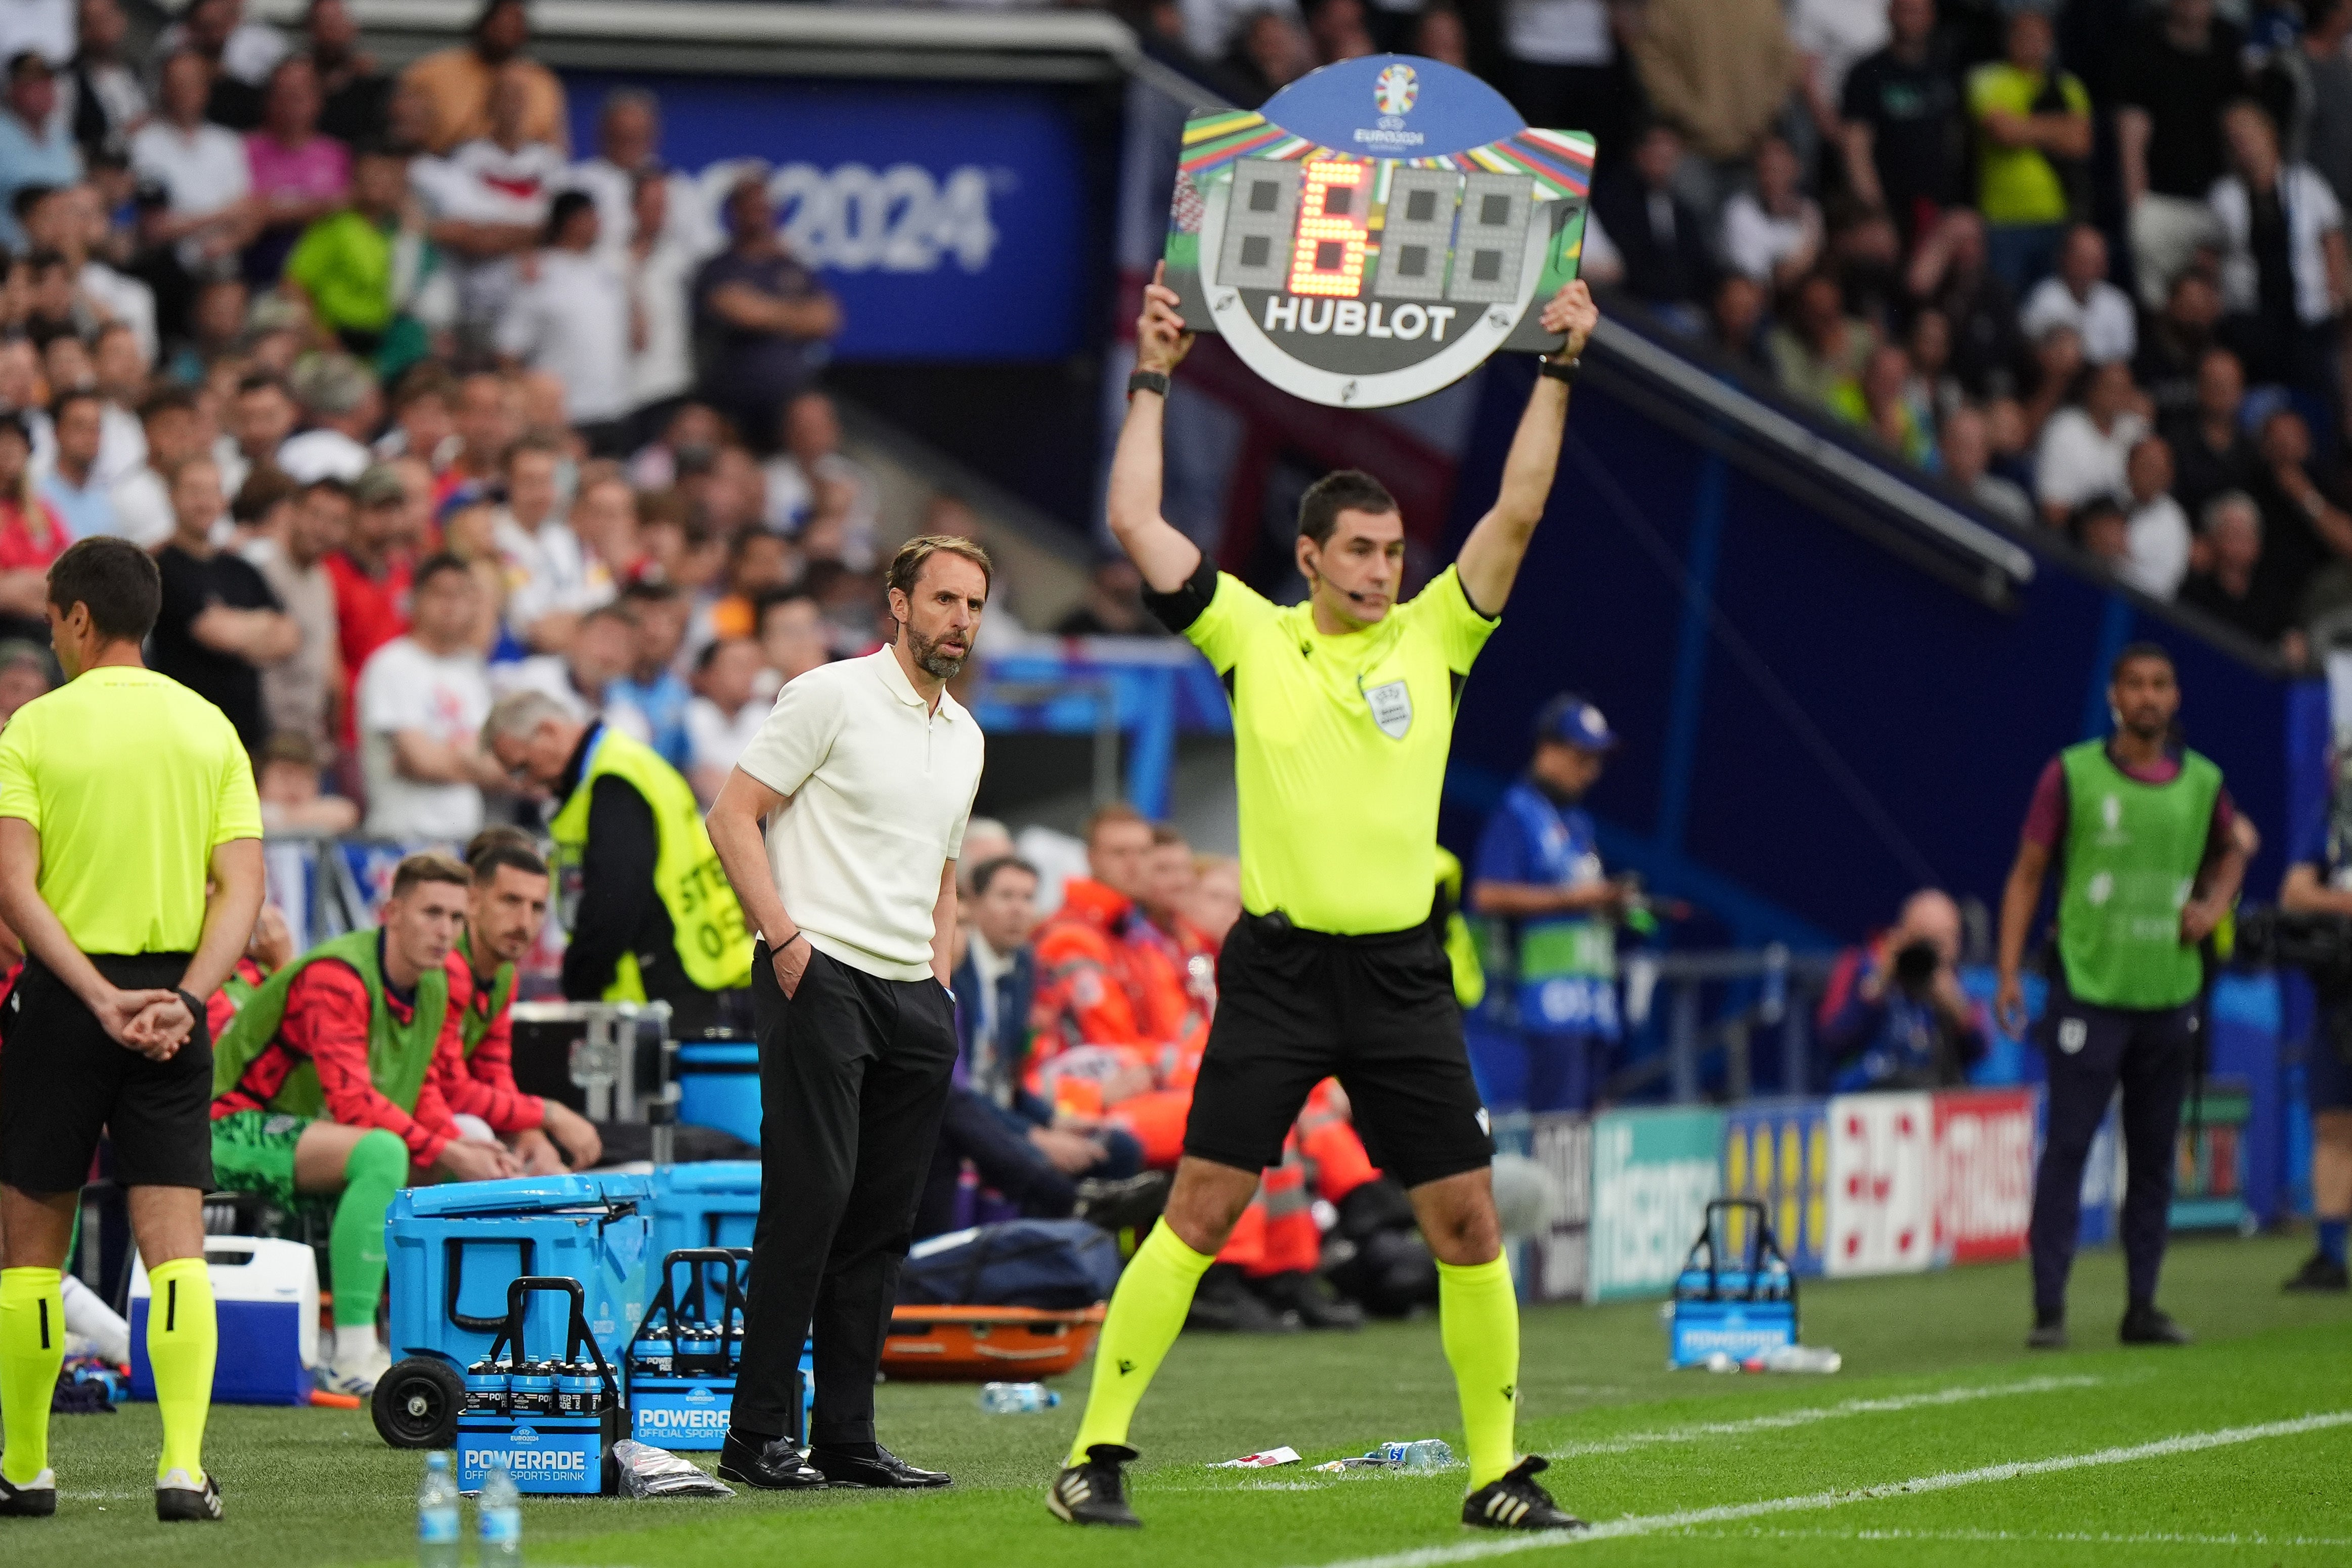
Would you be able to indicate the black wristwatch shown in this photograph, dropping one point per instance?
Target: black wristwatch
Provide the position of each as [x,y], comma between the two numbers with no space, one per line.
[1148,381]
[195,1008]
[1560,369]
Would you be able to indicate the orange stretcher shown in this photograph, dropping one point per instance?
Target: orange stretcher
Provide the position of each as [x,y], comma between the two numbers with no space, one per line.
[987,1344]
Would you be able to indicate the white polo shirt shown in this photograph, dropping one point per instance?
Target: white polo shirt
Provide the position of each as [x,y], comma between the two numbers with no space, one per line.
[879,791]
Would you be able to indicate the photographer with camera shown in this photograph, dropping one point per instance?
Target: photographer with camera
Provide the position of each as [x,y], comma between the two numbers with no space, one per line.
[2149,860]
[1894,1015]
[2319,883]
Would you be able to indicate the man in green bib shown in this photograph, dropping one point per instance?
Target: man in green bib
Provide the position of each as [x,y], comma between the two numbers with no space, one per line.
[324,1089]
[652,917]
[2148,866]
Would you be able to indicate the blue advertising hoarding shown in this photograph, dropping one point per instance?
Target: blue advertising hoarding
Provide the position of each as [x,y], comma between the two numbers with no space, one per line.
[949,219]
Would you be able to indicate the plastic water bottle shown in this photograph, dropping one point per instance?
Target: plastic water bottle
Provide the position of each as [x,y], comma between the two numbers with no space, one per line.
[1424,1454]
[437,1515]
[1016,1398]
[498,1522]
[1801,1358]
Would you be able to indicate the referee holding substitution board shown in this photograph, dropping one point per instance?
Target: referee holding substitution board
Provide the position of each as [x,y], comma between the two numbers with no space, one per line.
[1343,712]
[121,794]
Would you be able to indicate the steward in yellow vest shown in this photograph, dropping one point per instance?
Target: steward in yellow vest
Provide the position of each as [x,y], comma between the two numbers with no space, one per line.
[650,912]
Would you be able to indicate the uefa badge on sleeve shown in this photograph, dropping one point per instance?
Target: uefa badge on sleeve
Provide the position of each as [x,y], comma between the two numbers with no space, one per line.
[1376,230]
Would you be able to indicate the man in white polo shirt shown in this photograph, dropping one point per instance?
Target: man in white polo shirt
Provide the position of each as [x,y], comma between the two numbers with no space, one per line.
[863,776]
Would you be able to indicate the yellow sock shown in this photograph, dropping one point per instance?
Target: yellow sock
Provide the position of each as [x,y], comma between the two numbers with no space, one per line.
[1147,1314]
[1479,1317]
[182,1341]
[32,1349]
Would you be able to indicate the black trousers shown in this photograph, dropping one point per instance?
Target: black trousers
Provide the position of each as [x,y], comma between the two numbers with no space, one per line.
[2090,1049]
[854,1074]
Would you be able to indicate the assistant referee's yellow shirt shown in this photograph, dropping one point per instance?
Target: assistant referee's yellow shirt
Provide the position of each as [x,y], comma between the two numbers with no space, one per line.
[132,781]
[1339,747]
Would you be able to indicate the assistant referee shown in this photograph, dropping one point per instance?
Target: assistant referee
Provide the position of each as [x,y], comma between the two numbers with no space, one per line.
[1343,711]
[121,794]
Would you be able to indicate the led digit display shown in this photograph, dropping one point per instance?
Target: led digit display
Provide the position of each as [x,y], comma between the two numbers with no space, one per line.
[1261,222]
[1486,252]
[1417,234]
[1334,220]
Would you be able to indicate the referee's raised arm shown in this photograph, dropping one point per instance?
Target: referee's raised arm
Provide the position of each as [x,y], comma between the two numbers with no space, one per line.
[1490,557]
[131,867]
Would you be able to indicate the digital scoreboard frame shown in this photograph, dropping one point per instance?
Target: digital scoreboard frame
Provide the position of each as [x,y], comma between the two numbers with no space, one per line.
[1376,231]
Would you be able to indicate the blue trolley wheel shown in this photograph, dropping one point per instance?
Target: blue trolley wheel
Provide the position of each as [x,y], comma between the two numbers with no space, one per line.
[416,1403]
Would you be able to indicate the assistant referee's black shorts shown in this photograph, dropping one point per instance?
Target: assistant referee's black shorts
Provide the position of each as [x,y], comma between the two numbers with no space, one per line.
[1378,1012]
[64,1082]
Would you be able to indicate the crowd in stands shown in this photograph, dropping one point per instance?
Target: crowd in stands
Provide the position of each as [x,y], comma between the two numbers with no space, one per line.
[414,404]
[2084,259]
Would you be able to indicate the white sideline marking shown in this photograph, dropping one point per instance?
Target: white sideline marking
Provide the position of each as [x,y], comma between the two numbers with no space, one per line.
[1627,1442]
[1683,1520]
[2085,1537]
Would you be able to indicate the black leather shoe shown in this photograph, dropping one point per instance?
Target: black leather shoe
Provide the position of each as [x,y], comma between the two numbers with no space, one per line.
[2319,1272]
[2144,1325]
[883,1470]
[770,1464]
[178,1500]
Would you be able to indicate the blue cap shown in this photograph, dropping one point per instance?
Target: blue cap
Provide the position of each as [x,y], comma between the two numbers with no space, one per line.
[1570,720]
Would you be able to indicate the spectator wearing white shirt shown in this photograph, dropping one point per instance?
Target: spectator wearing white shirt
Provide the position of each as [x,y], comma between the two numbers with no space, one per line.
[421,701]
[208,215]
[552,579]
[628,154]
[1772,234]
[68,219]
[118,371]
[489,200]
[1566,69]
[2157,542]
[1964,444]
[2282,327]
[341,407]
[661,336]
[172,434]
[2078,295]
[261,417]
[2085,445]
[572,319]
[725,712]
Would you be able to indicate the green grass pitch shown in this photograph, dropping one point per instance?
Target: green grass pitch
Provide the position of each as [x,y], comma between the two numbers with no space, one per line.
[2155,1462]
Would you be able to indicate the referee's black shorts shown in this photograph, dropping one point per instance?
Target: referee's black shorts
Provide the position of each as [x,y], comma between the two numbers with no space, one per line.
[1378,1012]
[64,1082]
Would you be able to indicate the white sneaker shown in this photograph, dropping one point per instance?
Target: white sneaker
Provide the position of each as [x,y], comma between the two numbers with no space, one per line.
[358,1381]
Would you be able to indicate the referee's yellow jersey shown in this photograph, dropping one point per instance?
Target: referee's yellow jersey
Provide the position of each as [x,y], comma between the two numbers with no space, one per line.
[132,781]
[1340,750]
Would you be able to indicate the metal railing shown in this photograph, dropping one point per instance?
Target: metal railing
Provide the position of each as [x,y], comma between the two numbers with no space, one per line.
[1787,988]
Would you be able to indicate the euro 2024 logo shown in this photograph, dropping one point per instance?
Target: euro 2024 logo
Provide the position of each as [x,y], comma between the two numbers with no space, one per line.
[1395,88]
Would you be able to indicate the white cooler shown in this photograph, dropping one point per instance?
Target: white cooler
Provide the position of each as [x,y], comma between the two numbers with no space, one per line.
[267,1292]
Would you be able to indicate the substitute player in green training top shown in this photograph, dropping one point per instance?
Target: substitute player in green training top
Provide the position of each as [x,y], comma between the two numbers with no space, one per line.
[1343,710]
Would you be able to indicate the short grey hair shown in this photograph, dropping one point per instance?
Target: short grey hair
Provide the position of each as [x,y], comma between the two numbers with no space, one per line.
[2222,505]
[516,715]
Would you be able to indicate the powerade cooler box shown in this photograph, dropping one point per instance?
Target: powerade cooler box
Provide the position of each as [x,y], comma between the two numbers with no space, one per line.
[682,1362]
[455,1249]
[553,1423]
[1740,1301]
[266,1293]
[711,1204]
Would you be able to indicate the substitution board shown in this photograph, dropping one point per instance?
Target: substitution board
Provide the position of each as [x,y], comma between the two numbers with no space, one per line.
[1376,231]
